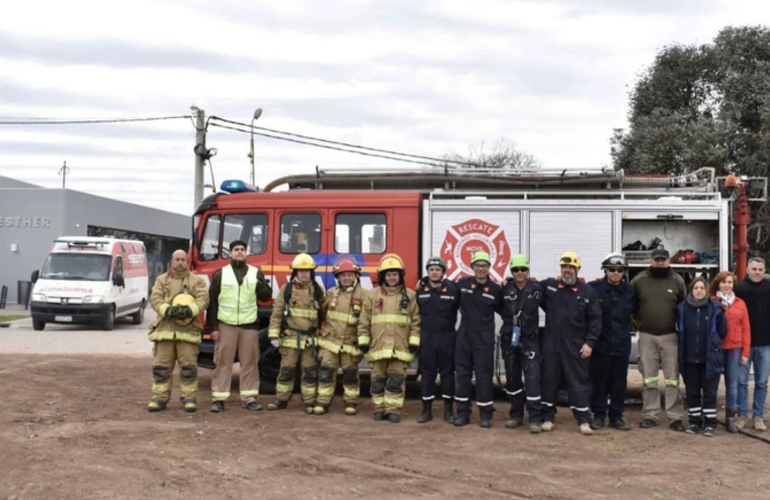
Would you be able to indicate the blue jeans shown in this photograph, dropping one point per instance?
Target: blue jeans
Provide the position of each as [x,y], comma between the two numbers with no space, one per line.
[732,374]
[760,358]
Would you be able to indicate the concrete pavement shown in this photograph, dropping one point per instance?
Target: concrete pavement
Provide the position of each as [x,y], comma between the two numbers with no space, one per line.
[126,338]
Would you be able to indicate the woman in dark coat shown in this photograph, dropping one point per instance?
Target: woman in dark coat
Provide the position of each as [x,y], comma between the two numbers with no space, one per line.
[701,326]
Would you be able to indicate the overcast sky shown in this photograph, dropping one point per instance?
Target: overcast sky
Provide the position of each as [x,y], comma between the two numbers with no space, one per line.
[420,77]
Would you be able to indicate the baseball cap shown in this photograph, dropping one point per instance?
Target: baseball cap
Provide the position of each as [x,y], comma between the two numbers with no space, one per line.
[660,253]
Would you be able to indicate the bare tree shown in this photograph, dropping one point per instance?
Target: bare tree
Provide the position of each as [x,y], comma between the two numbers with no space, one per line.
[503,155]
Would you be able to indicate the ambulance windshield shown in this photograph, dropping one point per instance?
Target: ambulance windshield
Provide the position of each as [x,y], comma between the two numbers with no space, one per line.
[73,266]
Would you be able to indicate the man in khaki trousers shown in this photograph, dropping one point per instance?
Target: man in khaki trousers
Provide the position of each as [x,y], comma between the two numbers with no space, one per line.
[232,317]
[659,289]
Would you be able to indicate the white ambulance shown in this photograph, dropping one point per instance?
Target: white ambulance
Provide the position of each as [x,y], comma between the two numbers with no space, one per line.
[91,280]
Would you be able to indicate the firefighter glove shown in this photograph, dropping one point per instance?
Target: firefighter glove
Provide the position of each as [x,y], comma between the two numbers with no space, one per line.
[170,312]
[414,348]
[364,348]
[183,312]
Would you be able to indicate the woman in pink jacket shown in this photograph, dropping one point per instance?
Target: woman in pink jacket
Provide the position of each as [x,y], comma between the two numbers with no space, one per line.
[737,343]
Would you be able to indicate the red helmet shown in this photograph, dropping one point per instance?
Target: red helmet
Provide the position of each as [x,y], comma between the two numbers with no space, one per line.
[346,265]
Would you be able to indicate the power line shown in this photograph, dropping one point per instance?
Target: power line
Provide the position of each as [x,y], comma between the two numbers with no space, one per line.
[46,121]
[298,141]
[345,144]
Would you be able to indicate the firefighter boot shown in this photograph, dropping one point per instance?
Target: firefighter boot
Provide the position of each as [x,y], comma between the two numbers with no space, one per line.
[278,405]
[485,420]
[427,413]
[379,415]
[190,405]
[449,414]
[309,409]
[321,409]
[156,405]
[351,409]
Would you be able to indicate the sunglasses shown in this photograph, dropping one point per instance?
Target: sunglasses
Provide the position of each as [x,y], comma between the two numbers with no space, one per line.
[519,269]
[615,269]
[566,260]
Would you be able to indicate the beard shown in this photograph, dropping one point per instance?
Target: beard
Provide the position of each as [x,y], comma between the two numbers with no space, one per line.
[659,272]
[569,279]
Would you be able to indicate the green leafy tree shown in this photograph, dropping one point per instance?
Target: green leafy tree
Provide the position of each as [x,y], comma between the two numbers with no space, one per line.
[703,106]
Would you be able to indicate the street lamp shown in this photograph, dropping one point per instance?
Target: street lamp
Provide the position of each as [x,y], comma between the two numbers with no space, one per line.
[257,114]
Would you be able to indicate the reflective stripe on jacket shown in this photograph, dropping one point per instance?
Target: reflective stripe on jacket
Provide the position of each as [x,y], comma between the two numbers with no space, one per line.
[386,327]
[238,304]
[302,317]
[342,310]
[166,287]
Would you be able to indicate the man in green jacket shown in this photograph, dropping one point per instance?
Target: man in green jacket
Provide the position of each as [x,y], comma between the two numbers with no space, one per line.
[659,289]
[232,317]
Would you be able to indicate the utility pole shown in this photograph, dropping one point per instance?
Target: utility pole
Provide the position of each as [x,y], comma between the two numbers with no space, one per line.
[200,151]
[63,172]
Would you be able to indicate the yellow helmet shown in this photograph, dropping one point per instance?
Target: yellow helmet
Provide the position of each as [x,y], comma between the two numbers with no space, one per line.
[570,259]
[391,262]
[303,261]
[183,299]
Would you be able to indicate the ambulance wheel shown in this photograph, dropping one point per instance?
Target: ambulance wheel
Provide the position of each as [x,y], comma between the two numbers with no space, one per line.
[109,321]
[37,324]
[138,317]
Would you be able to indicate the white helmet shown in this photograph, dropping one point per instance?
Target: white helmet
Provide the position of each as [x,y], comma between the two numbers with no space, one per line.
[614,259]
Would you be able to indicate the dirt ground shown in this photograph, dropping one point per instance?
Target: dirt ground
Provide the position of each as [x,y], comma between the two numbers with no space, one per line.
[76,427]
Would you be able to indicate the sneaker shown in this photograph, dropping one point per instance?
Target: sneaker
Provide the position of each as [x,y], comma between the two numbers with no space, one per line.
[156,405]
[597,423]
[252,406]
[320,409]
[709,431]
[190,406]
[278,405]
[620,425]
[513,423]
[535,428]
[393,418]
[379,415]
[692,429]
[647,423]
[586,430]
[740,423]
[217,407]
[351,410]
[759,424]
[547,426]
[677,426]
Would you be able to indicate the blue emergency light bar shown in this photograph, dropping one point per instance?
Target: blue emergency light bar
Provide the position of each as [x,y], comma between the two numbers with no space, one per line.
[236,186]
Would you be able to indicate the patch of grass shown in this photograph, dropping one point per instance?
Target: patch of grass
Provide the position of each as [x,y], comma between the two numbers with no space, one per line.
[11,317]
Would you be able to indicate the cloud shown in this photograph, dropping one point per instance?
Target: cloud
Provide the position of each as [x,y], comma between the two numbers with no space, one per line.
[417,77]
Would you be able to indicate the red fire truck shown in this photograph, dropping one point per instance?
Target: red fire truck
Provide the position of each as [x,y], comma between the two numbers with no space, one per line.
[453,213]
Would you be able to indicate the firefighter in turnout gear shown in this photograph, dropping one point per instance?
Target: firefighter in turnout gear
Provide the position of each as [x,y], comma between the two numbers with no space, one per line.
[389,335]
[480,299]
[293,328]
[338,339]
[520,344]
[439,300]
[573,322]
[609,361]
[234,322]
[178,296]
